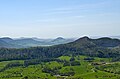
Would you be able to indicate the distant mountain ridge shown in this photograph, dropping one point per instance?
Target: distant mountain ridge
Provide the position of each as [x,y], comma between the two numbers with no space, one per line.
[107,42]
[34,42]
[6,39]
[31,42]
[102,47]
[100,42]
[3,43]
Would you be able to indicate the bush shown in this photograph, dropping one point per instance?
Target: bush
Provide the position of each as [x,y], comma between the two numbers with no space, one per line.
[72,59]
[89,58]
[75,63]
[66,63]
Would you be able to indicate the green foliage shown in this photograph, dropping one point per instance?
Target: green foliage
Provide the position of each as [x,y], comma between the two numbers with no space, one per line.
[72,59]
[75,63]
[111,68]
[66,63]
[82,46]
[83,59]
[55,69]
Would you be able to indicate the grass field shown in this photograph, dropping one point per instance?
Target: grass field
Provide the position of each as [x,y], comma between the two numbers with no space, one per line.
[85,70]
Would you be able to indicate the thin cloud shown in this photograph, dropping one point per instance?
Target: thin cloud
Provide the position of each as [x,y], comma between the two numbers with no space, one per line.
[74,8]
[60,18]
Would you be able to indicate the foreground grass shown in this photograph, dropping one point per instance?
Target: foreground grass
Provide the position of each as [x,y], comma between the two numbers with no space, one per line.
[84,71]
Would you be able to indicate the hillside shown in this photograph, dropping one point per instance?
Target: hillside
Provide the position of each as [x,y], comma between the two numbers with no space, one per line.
[82,46]
[6,39]
[4,44]
[84,58]
[64,67]
[101,42]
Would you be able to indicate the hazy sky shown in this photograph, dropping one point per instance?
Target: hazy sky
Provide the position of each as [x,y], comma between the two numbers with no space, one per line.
[53,18]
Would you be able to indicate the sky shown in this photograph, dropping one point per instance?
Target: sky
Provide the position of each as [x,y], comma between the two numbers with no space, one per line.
[54,18]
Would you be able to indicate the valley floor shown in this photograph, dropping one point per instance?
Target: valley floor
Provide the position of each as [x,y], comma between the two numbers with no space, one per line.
[78,67]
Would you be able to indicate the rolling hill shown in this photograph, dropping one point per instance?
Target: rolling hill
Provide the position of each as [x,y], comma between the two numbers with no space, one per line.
[82,46]
[84,58]
[31,42]
[4,44]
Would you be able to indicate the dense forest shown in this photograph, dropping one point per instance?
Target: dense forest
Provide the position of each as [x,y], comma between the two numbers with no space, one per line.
[103,48]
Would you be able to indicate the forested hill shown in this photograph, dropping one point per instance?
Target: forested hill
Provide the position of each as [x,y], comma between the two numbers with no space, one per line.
[102,47]
[101,42]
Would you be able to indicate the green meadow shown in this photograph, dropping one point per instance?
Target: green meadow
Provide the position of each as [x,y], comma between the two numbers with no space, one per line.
[97,68]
